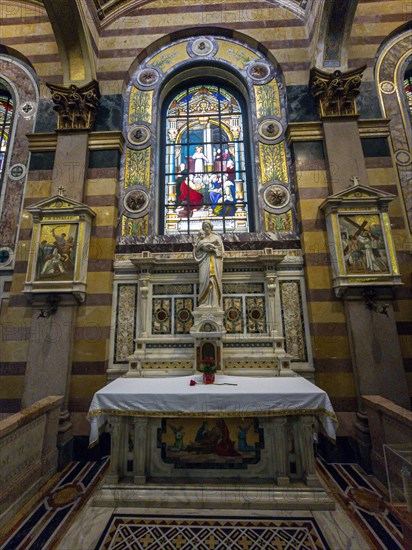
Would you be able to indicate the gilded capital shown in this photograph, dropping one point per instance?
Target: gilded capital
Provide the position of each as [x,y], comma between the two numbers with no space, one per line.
[76,106]
[336,92]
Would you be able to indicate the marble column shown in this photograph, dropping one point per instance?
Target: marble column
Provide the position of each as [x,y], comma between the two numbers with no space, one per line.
[139,452]
[48,370]
[281,451]
[116,428]
[373,337]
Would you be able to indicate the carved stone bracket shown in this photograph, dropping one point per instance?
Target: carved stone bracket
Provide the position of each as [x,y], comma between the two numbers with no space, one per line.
[336,92]
[75,106]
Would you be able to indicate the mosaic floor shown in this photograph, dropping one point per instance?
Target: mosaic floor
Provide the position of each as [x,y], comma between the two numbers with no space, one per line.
[62,518]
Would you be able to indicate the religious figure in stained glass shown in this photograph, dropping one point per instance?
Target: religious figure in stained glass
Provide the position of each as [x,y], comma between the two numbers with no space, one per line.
[205,162]
[6,115]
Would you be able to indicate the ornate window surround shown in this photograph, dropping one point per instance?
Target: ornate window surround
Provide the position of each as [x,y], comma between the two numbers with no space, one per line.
[25,96]
[259,81]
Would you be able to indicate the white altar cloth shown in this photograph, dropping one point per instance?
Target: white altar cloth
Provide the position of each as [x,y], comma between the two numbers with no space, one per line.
[174,396]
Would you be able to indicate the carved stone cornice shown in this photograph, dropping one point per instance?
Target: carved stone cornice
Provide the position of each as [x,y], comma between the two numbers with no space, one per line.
[313,131]
[98,141]
[336,92]
[76,106]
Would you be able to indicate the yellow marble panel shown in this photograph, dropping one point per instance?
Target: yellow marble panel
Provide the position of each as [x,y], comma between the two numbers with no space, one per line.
[363,50]
[318,276]
[38,189]
[18,317]
[101,249]
[267,100]
[374,29]
[86,385]
[381,176]
[311,178]
[137,169]
[282,33]
[309,208]
[105,215]
[315,242]
[405,341]
[403,309]
[85,350]
[11,387]
[337,384]
[170,57]
[273,162]
[28,29]
[297,78]
[14,351]
[103,186]
[140,107]
[327,312]
[392,7]
[48,69]
[99,282]
[235,54]
[94,314]
[336,347]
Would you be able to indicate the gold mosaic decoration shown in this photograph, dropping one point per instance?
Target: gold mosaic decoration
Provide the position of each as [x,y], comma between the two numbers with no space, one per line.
[278,222]
[170,57]
[250,364]
[235,54]
[183,365]
[135,228]
[267,100]
[273,162]
[140,108]
[137,168]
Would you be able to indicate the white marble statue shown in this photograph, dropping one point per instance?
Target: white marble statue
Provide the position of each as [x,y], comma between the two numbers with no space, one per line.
[208,252]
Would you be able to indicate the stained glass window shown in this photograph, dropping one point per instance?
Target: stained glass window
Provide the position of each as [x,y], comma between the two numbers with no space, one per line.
[407,82]
[205,167]
[6,115]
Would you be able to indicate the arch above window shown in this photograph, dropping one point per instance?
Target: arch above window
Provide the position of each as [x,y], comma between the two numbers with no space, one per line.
[204,126]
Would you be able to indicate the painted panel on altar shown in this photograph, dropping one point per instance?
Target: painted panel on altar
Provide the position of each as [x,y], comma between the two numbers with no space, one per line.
[362,244]
[56,252]
[230,443]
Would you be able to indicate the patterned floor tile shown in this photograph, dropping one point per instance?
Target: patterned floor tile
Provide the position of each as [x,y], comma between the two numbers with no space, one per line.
[51,516]
[363,500]
[188,533]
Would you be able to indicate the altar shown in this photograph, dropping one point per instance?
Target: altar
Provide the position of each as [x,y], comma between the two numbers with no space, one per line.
[242,441]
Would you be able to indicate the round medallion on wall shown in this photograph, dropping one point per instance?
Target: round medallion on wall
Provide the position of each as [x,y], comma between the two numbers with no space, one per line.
[233,314]
[256,314]
[260,71]
[6,256]
[270,131]
[403,157]
[17,172]
[139,136]
[147,78]
[387,87]
[202,47]
[28,109]
[161,315]
[276,198]
[184,315]
[135,202]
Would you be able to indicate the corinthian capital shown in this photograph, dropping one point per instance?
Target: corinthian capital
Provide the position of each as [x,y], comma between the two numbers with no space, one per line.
[336,92]
[75,106]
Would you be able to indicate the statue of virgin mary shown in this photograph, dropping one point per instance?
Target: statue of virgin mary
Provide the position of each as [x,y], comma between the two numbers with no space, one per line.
[208,252]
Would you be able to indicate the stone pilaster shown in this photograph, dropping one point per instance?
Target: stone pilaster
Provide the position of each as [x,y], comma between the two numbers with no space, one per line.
[48,369]
[374,342]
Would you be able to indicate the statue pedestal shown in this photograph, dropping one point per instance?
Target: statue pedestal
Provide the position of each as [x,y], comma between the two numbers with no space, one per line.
[207,331]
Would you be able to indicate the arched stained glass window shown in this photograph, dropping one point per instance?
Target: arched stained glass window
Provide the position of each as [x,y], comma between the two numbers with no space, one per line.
[407,82]
[205,165]
[6,116]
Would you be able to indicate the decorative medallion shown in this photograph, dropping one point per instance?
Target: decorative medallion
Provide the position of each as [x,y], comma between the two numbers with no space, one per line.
[387,87]
[184,315]
[136,202]
[402,157]
[17,172]
[276,198]
[139,136]
[6,256]
[201,47]
[147,78]
[260,72]
[28,109]
[270,130]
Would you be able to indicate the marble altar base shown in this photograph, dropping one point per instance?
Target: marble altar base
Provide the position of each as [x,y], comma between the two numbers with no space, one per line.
[236,495]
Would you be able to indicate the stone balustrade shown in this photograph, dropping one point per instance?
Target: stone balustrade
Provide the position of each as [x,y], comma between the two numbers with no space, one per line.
[28,453]
[388,424]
